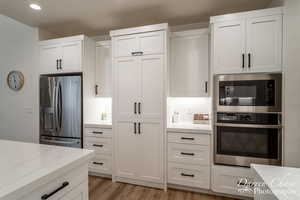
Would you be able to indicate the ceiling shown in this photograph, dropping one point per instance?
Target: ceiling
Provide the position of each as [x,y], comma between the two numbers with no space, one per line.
[95,17]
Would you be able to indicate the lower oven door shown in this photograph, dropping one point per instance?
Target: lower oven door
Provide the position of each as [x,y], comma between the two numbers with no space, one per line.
[241,146]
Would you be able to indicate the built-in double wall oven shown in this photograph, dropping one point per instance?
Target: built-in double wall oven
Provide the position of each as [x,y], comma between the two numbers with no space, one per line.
[248,119]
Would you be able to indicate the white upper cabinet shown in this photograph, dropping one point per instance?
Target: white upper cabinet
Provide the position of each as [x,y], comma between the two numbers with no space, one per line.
[264,43]
[189,67]
[247,42]
[126,45]
[229,46]
[62,55]
[103,75]
[151,43]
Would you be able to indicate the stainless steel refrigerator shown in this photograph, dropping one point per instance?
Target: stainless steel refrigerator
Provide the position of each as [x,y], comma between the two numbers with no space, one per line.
[61,110]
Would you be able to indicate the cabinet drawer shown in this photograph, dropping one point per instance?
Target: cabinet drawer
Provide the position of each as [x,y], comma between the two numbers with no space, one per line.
[226,180]
[188,138]
[189,175]
[99,145]
[152,43]
[125,45]
[63,184]
[101,164]
[189,154]
[98,132]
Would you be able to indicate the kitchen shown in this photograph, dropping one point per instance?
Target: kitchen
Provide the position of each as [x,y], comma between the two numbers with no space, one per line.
[202,109]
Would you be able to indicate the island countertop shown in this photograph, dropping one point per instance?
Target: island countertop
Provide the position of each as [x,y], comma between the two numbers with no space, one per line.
[24,165]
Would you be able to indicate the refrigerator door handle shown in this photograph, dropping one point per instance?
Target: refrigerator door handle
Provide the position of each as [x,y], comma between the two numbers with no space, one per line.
[56,107]
[59,94]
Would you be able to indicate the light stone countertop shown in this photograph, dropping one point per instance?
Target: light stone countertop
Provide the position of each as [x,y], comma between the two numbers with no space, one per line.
[190,128]
[24,165]
[98,124]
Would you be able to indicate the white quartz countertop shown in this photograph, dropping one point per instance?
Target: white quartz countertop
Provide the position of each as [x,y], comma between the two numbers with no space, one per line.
[24,165]
[98,124]
[190,128]
[284,182]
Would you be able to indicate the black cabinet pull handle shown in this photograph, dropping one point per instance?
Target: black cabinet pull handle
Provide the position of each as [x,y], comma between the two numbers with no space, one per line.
[186,138]
[134,127]
[139,107]
[187,154]
[96,89]
[97,145]
[139,127]
[243,61]
[206,86]
[134,108]
[47,196]
[60,65]
[97,163]
[57,64]
[97,132]
[137,53]
[249,60]
[188,175]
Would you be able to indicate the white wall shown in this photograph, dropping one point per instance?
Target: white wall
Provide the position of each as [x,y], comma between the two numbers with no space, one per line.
[18,51]
[292,85]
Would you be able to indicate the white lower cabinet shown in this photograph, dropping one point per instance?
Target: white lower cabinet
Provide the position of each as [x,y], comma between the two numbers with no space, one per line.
[99,140]
[189,159]
[227,180]
[72,186]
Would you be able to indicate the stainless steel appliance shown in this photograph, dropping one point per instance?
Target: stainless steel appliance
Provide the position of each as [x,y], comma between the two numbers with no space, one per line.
[61,110]
[248,92]
[245,138]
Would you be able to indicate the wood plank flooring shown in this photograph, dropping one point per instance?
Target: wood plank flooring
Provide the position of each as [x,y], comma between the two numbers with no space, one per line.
[104,189]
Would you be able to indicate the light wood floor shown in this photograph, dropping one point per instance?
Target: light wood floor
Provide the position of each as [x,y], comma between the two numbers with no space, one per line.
[104,189]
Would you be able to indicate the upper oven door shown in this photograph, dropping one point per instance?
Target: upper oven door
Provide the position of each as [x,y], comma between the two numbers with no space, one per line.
[248,93]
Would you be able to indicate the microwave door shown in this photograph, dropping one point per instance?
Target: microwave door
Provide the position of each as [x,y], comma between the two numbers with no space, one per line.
[68,107]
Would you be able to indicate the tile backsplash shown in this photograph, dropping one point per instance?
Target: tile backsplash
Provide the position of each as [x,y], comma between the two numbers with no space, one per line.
[187,107]
[97,107]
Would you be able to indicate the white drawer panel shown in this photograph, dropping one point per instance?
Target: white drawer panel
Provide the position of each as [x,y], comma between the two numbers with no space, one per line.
[99,145]
[101,164]
[188,138]
[98,132]
[189,175]
[189,154]
[66,183]
[225,180]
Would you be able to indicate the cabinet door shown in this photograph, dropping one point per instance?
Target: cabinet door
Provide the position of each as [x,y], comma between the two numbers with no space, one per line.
[103,70]
[49,56]
[127,87]
[189,66]
[78,193]
[152,86]
[229,46]
[151,43]
[150,151]
[71,57]
[124,46]
[126,149]
[264,44]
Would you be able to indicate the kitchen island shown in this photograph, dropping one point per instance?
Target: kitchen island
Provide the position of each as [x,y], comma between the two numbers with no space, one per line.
[39,172]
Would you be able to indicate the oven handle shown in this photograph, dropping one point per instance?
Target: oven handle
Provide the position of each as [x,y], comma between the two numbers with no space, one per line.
[249,125]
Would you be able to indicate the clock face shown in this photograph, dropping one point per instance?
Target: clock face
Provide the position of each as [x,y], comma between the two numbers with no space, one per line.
[15,80]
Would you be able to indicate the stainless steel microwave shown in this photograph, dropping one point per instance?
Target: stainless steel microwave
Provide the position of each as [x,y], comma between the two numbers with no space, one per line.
[248,92]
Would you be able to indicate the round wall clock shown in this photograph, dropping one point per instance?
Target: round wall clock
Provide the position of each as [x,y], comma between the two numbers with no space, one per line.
[15,80]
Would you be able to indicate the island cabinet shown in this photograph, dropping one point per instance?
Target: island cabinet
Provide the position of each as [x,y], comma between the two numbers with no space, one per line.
[189,61]
[247,42]
[71,186]
[139,98]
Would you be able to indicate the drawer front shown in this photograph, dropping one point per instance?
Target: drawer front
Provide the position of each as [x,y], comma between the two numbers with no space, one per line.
[188,154]
[188,138]
[187,175]
[98,132]
[226,180]
[101,164]
[99,145]
[62,185]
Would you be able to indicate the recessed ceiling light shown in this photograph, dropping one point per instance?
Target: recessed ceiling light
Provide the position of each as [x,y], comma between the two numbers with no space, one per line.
[35,6]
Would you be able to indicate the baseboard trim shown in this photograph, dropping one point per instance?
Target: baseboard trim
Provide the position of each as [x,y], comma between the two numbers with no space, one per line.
[139,182]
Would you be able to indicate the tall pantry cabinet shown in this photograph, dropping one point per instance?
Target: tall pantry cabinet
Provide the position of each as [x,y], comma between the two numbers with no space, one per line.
[139,98]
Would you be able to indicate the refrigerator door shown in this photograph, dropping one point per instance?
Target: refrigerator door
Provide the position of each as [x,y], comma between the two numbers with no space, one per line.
[61,106]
